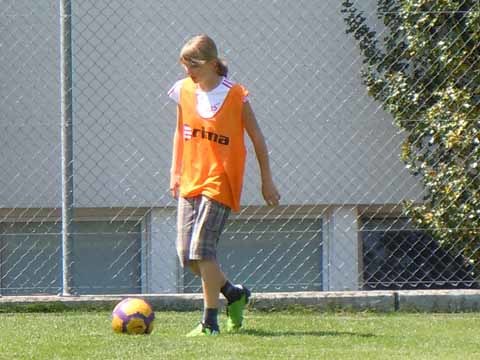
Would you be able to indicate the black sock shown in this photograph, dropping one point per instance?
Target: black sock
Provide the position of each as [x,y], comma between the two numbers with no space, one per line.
[231,292]
[210,318]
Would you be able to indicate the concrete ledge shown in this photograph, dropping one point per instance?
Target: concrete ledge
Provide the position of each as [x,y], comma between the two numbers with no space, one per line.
[323,301]
[439,300]
[173,302]
[380,301]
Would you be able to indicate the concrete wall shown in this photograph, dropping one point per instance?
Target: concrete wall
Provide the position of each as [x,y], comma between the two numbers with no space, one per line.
[329,143]
[29,105]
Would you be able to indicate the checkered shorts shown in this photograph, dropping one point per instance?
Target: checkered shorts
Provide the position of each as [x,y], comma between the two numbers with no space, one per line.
[200,223]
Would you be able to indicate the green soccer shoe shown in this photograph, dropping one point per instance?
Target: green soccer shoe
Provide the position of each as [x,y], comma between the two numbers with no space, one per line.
[202,330]
[235,311]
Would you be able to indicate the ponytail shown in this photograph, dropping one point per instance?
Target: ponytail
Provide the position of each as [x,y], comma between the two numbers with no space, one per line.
[222,68]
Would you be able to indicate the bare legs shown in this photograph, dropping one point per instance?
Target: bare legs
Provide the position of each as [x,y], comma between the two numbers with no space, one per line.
[212,280]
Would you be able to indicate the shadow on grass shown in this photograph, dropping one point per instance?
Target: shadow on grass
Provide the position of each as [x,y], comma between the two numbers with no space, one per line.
[255,332]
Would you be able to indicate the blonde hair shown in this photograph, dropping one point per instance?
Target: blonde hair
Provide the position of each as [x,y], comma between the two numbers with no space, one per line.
[201,49]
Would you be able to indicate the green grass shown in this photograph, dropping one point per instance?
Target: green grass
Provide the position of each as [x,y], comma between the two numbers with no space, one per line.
[275,335]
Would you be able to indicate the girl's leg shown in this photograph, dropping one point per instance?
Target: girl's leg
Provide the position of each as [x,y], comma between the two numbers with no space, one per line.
[212,280]
[209,221]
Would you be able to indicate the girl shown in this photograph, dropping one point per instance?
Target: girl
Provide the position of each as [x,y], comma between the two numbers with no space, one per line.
[207,172]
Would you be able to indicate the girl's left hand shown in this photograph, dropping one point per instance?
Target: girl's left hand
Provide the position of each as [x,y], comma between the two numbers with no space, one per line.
[270,193]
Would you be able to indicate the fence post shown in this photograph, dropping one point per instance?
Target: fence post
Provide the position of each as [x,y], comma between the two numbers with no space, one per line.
[67,140]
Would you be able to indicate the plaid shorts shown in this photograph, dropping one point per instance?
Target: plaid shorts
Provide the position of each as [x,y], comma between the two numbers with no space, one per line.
[200,223]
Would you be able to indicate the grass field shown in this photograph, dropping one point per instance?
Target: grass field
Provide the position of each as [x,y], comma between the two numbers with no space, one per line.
[298,334]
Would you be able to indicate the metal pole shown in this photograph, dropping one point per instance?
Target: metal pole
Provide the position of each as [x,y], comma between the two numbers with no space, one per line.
[67,140]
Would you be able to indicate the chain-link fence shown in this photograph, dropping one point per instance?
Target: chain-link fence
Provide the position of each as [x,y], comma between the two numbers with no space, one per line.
[335,153]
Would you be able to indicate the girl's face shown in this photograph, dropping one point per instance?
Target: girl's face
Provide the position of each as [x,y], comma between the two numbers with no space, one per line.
[199,73]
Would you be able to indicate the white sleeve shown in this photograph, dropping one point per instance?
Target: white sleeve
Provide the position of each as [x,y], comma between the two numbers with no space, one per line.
[174,92]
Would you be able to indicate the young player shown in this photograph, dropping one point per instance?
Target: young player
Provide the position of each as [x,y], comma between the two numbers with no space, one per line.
[207,172]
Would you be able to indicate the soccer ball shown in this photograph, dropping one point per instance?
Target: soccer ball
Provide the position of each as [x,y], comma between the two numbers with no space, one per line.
[133,316]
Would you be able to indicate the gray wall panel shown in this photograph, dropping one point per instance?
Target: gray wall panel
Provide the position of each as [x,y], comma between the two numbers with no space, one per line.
[329,142]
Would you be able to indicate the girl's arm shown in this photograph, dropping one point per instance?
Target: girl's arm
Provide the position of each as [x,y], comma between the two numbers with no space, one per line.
[269,191]
[176,169]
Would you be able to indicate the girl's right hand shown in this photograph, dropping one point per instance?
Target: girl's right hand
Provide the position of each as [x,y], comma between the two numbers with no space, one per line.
[174,187]
[174,191]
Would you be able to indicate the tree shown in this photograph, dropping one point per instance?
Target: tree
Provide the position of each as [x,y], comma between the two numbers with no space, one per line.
[425,71]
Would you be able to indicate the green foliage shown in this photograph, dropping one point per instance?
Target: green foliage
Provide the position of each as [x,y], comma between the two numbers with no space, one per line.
[426,73]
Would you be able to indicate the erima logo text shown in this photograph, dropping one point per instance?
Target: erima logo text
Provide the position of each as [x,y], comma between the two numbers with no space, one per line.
[188,133]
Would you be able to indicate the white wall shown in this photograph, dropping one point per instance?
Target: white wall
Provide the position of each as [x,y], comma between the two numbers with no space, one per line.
[330,144]
[341,249]
[160,268]
[29,105]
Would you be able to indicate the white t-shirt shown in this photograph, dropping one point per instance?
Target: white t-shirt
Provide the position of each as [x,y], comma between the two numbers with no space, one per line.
[208,102]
